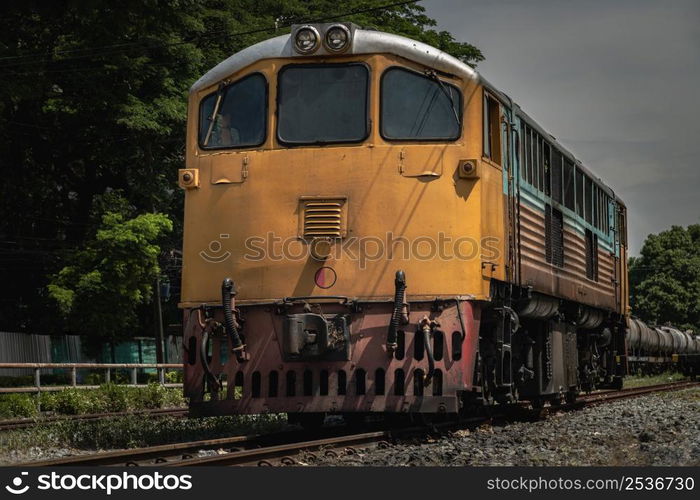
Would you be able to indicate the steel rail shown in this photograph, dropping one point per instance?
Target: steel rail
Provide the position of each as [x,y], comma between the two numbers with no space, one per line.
[631,392]
[262,456]
[155,454]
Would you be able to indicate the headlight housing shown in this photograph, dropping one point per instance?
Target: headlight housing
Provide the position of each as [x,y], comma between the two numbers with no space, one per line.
[306,40]
[337,38]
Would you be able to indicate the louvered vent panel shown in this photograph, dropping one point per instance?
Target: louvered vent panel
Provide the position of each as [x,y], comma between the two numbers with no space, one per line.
[323,218]
[591,255]
[554,236]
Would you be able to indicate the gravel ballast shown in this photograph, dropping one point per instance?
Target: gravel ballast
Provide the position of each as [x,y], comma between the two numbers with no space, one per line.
[658,429]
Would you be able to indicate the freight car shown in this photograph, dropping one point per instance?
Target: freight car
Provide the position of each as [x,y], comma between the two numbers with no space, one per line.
[661,348]
[372,227]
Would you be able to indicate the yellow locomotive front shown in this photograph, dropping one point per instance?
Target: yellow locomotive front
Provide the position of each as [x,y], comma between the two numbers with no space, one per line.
[342,227]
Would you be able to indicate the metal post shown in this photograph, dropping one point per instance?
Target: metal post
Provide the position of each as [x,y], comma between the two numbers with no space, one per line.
[108,376]
[158,312]
[161,376]
[74,376]
[37,377]
[133,376]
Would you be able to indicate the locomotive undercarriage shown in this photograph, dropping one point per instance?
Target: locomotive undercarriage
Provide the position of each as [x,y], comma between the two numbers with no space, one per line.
[539,349]
[448,356]
[312,357]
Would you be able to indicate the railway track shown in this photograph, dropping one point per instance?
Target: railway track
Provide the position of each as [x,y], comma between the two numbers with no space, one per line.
[170,453]
[289,447]
[601,397]
[23,423]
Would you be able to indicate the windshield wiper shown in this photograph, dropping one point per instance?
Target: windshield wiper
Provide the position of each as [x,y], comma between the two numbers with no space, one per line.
[433,76]
[214,113]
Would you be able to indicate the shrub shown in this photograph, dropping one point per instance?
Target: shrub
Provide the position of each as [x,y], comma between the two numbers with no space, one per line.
[17,406]
[47,401]
[108,398]
[116,398]
[174,377]
[77,401]
[174,398]
[151,396]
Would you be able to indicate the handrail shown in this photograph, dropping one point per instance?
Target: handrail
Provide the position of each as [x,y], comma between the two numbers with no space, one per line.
[90,365]
[74,367]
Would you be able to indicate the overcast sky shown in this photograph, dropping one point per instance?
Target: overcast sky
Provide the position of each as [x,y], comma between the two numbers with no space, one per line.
[616,81]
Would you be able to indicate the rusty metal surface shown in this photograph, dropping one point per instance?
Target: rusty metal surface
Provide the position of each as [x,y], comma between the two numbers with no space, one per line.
[255,456]
[121,457]
[569,282]
[368,335]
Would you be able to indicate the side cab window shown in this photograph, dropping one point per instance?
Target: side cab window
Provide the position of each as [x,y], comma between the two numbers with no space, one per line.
[492,129]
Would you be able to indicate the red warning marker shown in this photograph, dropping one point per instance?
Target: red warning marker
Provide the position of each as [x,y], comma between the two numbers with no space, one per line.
[325,277]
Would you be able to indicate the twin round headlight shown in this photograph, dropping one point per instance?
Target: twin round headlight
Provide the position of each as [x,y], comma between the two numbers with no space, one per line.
[337,38]
[307,39]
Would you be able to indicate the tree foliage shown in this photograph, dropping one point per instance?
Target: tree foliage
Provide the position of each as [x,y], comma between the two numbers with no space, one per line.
[665,278]
[93,100]
[102,286]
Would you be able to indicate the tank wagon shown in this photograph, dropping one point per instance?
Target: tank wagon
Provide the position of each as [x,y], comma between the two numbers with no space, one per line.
[372,227]
[661,348]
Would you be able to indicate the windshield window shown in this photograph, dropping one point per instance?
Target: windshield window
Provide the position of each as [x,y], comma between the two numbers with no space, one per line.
[415,106]
[235,116]
[322,103]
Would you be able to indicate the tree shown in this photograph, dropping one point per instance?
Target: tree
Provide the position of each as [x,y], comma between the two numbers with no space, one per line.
[101,287]
[93,100]
[665,278]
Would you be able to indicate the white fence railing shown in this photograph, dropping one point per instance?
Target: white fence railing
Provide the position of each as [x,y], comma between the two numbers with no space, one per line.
[73,368]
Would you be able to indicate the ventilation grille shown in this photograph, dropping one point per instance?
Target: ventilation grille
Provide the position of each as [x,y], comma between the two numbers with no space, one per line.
[554,236]
[323,218]
[591,255]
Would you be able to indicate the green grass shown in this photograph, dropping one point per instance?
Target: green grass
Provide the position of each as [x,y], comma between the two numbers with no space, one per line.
[108,398]
[691,394]
[134,431]
[645,380]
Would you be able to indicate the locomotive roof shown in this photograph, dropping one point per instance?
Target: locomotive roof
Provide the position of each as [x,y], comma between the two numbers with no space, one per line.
[372,42]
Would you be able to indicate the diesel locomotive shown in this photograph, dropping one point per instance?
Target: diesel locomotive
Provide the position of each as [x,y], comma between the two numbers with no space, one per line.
[372,227]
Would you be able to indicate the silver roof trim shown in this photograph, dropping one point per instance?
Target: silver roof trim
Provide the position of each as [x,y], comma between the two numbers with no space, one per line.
[279,46]
[364,42]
